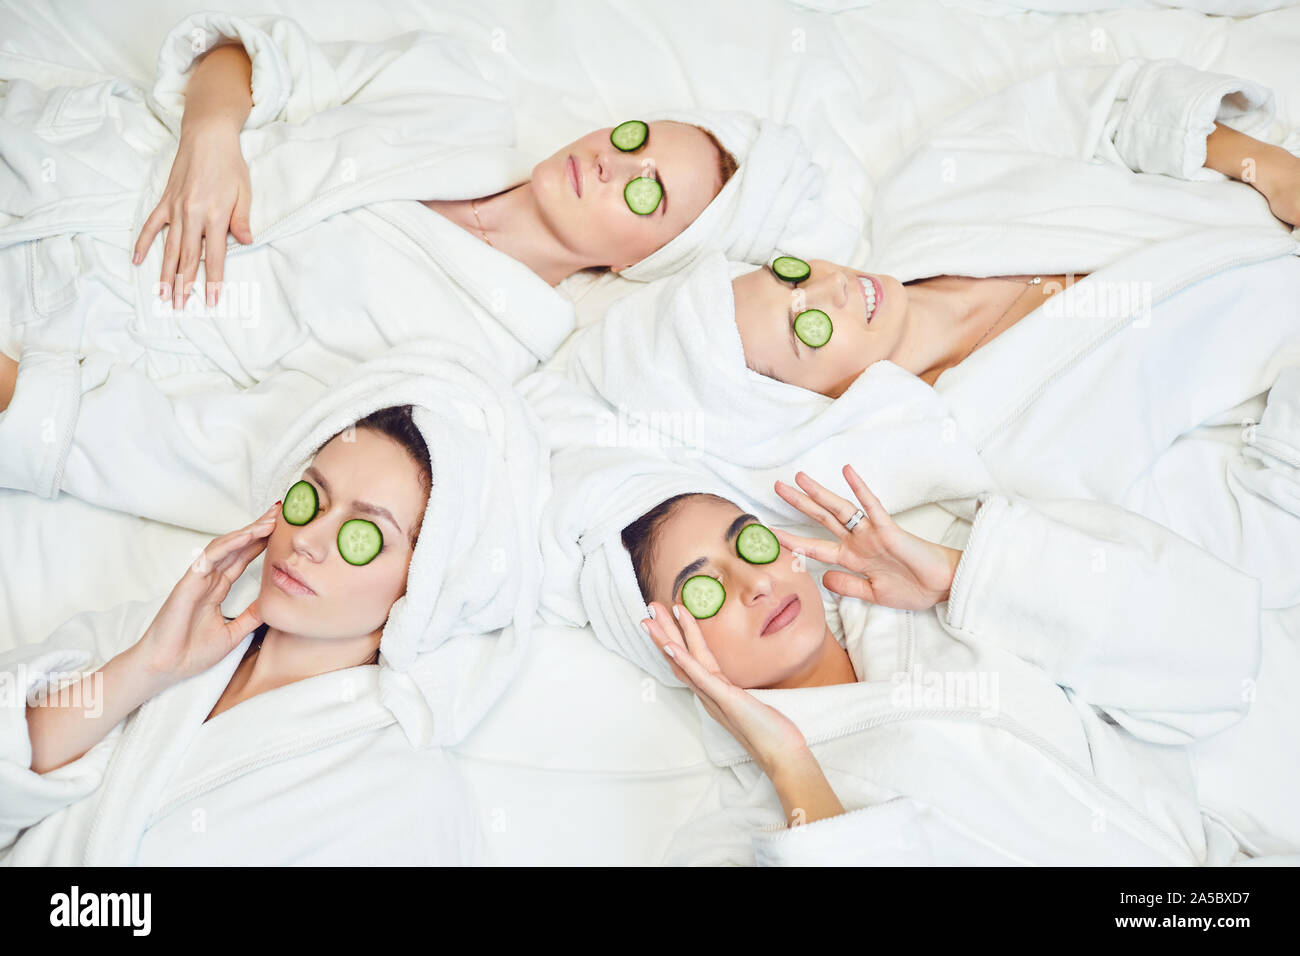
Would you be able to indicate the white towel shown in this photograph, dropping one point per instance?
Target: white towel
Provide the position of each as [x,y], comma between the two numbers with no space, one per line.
[771,202]
[668,366]
[455,639]
[600,491]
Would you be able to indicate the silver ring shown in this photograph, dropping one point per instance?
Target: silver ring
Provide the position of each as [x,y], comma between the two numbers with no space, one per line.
[853,522]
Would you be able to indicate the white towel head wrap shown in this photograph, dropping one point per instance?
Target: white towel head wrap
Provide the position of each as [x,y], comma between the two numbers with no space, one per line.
[771,201]
[455,638]
[604,490]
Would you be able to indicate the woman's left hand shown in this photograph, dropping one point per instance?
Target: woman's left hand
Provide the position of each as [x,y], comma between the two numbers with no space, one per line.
[890,566]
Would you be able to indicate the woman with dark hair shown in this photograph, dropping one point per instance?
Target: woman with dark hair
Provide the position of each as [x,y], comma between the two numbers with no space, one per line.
[996,703]
[378,631]
[305,651]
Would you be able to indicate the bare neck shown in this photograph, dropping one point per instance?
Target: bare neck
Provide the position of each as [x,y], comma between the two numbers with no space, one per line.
[831,665]
[947,317]
[285,658]
[513,224]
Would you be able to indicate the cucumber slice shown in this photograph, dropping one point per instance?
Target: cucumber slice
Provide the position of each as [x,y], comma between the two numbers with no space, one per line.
[642,195]
[791,269]
[300,504]
[703,596]
[359,541]
[813,326]
[757,545]
[629,136]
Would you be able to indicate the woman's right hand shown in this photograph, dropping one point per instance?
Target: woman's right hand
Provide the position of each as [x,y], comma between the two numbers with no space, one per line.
[189,634]
[769,736]
[208,194]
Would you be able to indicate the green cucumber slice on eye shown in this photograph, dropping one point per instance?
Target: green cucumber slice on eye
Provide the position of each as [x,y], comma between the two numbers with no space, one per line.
[703,596]
[300,504]
[757,545]
[359,541]
[629,136]
[642,195]
[813,326]
[791,269]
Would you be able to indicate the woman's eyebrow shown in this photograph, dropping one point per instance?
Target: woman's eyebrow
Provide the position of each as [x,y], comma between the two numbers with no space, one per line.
[733,529]
[364,507]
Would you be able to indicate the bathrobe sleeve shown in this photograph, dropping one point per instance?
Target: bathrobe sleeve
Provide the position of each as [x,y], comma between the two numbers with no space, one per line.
[81,644]
[295,77]
[201,444]
[1141,623]
[898,832]
[1152,116]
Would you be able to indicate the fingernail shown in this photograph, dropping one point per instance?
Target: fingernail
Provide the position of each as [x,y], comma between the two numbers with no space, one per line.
[677,612]
[212,298]
[669,651]
[650,611]
[135,259]
[645,627]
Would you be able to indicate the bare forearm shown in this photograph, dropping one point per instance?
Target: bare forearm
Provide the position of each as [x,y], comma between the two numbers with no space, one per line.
[71,720]
[805,793]
[219,91]
[1240,156]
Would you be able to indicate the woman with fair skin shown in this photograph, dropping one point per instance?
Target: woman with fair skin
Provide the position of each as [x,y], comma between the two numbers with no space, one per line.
[312,634]
[569,216]
[771,634]
[930,325]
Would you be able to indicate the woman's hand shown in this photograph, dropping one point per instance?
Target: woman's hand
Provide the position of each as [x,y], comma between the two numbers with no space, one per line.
[207,195]
[768,735]
[189,633]
[890,566]
[208,192]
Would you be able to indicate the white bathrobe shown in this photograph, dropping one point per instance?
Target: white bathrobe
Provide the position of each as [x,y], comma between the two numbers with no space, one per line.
[349,766]
[318,772]
[1054,711]
[1167,380]
[341,141]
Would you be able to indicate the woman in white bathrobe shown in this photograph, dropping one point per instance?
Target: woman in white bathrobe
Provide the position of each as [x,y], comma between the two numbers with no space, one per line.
[316,621]
[976,706]
[320,171]
[310,727]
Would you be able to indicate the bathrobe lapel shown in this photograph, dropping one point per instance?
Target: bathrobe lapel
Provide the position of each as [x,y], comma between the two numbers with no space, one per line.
[168,754]
[153,742]
[508,291]
[274,726]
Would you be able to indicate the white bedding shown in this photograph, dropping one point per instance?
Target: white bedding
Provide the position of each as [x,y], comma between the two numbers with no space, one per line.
[587,760]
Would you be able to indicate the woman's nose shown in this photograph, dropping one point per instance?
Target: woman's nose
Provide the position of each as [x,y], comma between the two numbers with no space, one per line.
[829,288]
[758,583]
[311,540]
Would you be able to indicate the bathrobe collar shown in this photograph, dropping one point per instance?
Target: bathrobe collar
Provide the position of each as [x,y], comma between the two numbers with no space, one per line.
[154,766]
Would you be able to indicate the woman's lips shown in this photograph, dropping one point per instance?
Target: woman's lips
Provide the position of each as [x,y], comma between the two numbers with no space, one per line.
[575,176]
[880,296]
[783,617]
[287,583]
